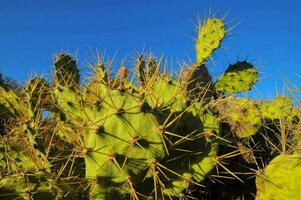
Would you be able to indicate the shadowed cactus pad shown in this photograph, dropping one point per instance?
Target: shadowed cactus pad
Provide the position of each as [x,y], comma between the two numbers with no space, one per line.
[239,77]
[66,72]
[198,83]
[280,179]
[28,186]
[195,147]
[210,35]
[146,69]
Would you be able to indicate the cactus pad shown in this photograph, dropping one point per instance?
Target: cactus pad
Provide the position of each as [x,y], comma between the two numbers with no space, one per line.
[241,114]
[280,107]
[239,77]
[165,92]
[198,83]
[66,72]
[280,179]
[210,35]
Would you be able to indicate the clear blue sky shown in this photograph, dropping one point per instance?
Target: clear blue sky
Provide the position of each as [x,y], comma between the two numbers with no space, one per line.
[31,31]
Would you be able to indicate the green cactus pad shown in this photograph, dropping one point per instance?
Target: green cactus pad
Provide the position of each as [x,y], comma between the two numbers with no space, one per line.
[146,69]
[166,93]
[13,160]
[105,190]
[196,153]
[278,108]
[210,36]
[131,131]
[10,103]
[176,187]
[241,114]
[239,77]
[28,186]
[119,130]
[280,179]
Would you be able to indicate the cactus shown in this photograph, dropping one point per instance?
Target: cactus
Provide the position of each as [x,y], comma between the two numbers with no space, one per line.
[198,83]
[139,143]
[147,69]
[66,72]
[164,92]
[278,108]
[239,77]
[28,186]
[154,136]
[280,179]
[201,129]
[241,114]
[210,35]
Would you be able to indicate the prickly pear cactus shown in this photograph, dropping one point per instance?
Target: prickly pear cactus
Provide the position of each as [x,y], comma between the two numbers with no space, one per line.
[279,107]
[241,114]
[198,83]
[210,35]
[239,77]
[28,186]
[164,92]
[66,72]
[146,135]
[280,179]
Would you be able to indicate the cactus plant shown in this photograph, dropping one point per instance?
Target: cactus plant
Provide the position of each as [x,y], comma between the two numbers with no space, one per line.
[280,179]
[154,136]
[241,114]
[278,108]
[239,77]
[210,35]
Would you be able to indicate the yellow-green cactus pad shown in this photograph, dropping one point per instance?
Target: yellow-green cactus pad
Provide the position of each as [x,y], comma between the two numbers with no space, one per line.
[177,186]
[241,114]
[278,108]
[210,35]
[239,77]
[127,139]
[13,160]
[122,135]
[166,93]
[10,103]
[280,179]
[28,186]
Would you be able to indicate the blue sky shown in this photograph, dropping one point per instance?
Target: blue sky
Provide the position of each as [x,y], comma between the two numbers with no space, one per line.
[31,31]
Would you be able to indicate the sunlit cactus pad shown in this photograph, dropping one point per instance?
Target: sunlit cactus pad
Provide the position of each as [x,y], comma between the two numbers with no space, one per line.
[279,107]
[210,35]
[239,77]
[280,179]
